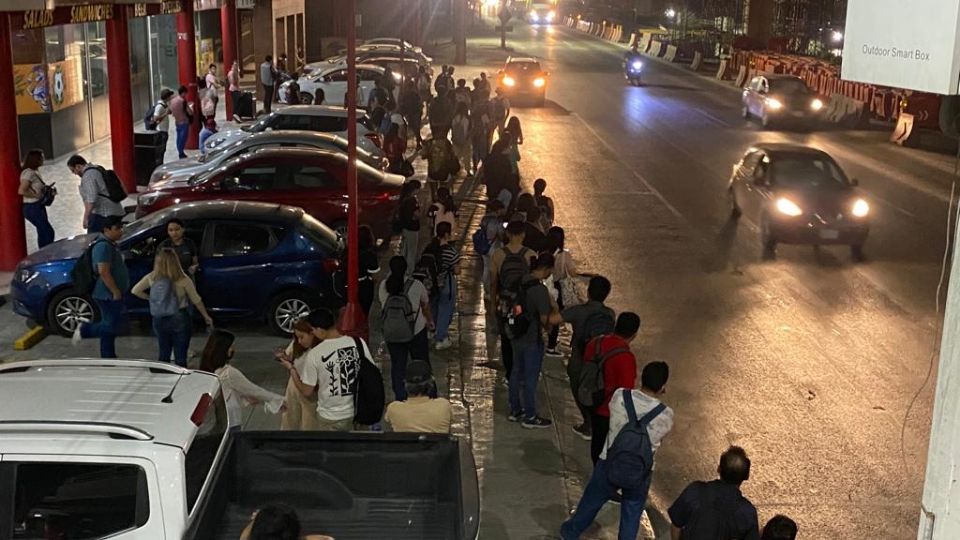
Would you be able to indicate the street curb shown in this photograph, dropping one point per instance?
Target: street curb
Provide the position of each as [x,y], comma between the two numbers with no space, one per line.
[30,338]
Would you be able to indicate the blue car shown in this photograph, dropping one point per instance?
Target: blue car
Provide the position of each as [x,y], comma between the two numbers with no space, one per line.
[257,260]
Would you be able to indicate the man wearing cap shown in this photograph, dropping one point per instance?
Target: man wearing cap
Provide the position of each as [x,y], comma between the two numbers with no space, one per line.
[419,413]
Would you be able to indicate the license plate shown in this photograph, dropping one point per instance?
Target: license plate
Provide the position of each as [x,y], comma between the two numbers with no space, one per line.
[829,234]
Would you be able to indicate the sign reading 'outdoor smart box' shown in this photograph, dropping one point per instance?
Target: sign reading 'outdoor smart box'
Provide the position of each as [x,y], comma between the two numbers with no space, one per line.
[912,44]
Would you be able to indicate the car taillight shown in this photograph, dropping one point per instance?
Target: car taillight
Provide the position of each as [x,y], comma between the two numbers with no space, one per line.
[200,411]
[331,265]
[374,138]
[388,196]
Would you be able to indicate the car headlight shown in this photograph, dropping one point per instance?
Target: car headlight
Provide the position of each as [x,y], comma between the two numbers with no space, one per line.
[539,82]
[551,15]
[774,104]
[816,105]
[509,81]
[149,199]
[788,208]
[860,208]
[26,275]
[534,17]
[637,65]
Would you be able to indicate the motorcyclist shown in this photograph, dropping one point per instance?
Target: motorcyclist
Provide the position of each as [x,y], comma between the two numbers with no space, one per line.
[631,55]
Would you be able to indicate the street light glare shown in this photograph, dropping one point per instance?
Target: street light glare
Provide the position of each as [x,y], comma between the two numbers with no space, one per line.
[837,35]
[670,13]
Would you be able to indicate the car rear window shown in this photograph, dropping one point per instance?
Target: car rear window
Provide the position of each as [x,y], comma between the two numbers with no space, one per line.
[76,500]
[320,234]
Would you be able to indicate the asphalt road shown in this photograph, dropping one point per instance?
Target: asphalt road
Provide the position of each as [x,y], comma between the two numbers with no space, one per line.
[810,361]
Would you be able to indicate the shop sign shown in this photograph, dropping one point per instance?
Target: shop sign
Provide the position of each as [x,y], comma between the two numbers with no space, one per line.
[37,18]
[200,5]
[170,6]
[42,18]
[90,13]
[246,4]
[139,10]
[148,10]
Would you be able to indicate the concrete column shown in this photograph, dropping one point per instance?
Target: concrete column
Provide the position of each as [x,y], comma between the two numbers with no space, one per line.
[187,53]
[460,31]
[13,243]
[121,100]
[228,32]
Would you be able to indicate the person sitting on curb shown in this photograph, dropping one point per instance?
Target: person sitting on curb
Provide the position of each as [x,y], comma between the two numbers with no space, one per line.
[420,413]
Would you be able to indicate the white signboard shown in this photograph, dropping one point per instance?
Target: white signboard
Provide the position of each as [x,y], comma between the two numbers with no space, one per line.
[909,44]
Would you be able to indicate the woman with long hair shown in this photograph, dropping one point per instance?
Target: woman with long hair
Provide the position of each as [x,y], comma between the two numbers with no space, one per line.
[513,126]
[237,389]
[36,196]
[418,348]
[444,209]
[564,275]
[173,292]
[300,413]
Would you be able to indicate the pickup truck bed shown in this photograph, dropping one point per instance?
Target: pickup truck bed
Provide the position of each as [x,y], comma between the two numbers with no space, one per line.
[349,485]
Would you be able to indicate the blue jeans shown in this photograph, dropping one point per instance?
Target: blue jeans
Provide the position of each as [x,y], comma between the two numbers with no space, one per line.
[36,214]
[527,362]
[173,334]
[113,320]
[182,131]
[598,491]
[417,348]
[443,307]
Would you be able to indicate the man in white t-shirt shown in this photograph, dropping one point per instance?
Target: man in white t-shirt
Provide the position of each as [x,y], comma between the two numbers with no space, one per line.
[330,372]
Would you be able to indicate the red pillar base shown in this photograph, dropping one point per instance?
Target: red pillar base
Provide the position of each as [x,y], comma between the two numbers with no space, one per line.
[353,322]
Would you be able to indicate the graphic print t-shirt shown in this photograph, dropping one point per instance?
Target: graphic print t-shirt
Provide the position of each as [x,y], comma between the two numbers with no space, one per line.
[333,366]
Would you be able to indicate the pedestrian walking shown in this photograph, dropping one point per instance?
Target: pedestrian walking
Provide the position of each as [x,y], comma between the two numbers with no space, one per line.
[233,86]
[509,265]
[445,300]
[717,509]
[420,413]
[405,317]
[533,313]
[268,79]
[411,107]
[544,203]
[442,163]
[171,293]
[587,321]
[330,372]
[112,280]
[408,221]
[564,276]
[180,108]
[300,413]
[97,204]
[214,86]
[638,423]
[460,137]
[237,388]
[441,115]
[779,527]
[161,117]
[36,196]
[209,130]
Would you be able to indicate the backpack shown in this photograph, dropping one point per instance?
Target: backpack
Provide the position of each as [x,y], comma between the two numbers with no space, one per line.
[115,190]
[368,397]
[512,270]
[427,270]
[481,244]
[149,122]
[82,275]
[518,319]
[398,316]
[590,385]
[598,323]
[163,298]
[630,457]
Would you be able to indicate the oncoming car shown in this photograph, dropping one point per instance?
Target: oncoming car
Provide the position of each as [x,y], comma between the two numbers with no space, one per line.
[780,99]
[524,78]
[541,14]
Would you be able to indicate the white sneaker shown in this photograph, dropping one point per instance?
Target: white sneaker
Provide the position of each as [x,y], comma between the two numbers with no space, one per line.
[445,344]
[76,338]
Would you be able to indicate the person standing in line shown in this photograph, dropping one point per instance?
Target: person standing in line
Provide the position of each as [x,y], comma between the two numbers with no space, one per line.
[564,274]
[545,203]
[369,266]
[443,210]
[180,109]
[268,78]
[500,111]
[161,117]
[492,225]
[646,408]
[460,135]
[237,388]
[409,223]
[412,302]
[445,303]
[171,294]
[97,207]
[484,83]
[411,107]
[34,193]
[112,281]
[421,412]
[717,509]
[330,372]
[540,312]
[480,132]
[508,266]
[233,86]
[300,413]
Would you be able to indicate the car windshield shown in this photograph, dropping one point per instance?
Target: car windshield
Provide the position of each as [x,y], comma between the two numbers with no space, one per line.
[261,124]
[144,224]
[807,172]
[788,86]
[524,68]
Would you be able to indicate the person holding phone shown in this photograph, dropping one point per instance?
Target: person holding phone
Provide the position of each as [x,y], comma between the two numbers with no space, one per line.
[301,411]
[37,196]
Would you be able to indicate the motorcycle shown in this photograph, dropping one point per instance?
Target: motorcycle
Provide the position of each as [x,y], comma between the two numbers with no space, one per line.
[632,70]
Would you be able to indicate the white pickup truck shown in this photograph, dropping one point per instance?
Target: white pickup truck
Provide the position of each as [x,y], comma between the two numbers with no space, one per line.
[134,450]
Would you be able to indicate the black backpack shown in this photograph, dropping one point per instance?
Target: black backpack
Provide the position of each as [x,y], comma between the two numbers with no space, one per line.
[590,385]
[598,323]
[512,271]
[630,457]
[369,397]
[83,275]
[518,321]
[427,269]
[115,190]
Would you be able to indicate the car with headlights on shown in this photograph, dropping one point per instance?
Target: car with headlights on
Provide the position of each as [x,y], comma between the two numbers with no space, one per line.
[541,14]
[799,195]
[781,99]
[523,78]
[280,259]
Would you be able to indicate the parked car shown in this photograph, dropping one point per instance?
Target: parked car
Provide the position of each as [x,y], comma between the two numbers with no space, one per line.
[333,82]
[134,450]
[279,256]
[396,42]
[362,57]
[188,169]
[323,118]
[524,77]
[401,67]
[781,99]
[799,195]
[315,180]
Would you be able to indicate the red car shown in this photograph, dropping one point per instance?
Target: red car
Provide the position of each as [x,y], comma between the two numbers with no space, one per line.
[312,179]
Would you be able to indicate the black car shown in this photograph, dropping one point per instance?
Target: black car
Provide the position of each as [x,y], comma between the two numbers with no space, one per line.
[799,195]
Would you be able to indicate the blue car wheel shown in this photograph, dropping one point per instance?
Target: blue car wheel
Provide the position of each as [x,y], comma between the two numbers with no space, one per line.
[67,310]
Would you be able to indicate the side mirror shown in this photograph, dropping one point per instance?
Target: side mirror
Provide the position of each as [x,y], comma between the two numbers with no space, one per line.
[854,182]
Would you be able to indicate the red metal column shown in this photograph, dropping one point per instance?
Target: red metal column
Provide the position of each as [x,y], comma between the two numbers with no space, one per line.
[121,102]
[228,32]
[352,322]
[13,243]
[187,53]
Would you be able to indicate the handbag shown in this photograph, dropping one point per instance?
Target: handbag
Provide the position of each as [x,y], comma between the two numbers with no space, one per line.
[569,293]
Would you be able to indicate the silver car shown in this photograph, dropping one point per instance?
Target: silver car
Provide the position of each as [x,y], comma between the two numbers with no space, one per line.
[185,170]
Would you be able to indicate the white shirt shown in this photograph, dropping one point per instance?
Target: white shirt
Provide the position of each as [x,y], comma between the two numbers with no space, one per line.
[161,111]
[237,388]
[332,366]
[642,403]
[418,298]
